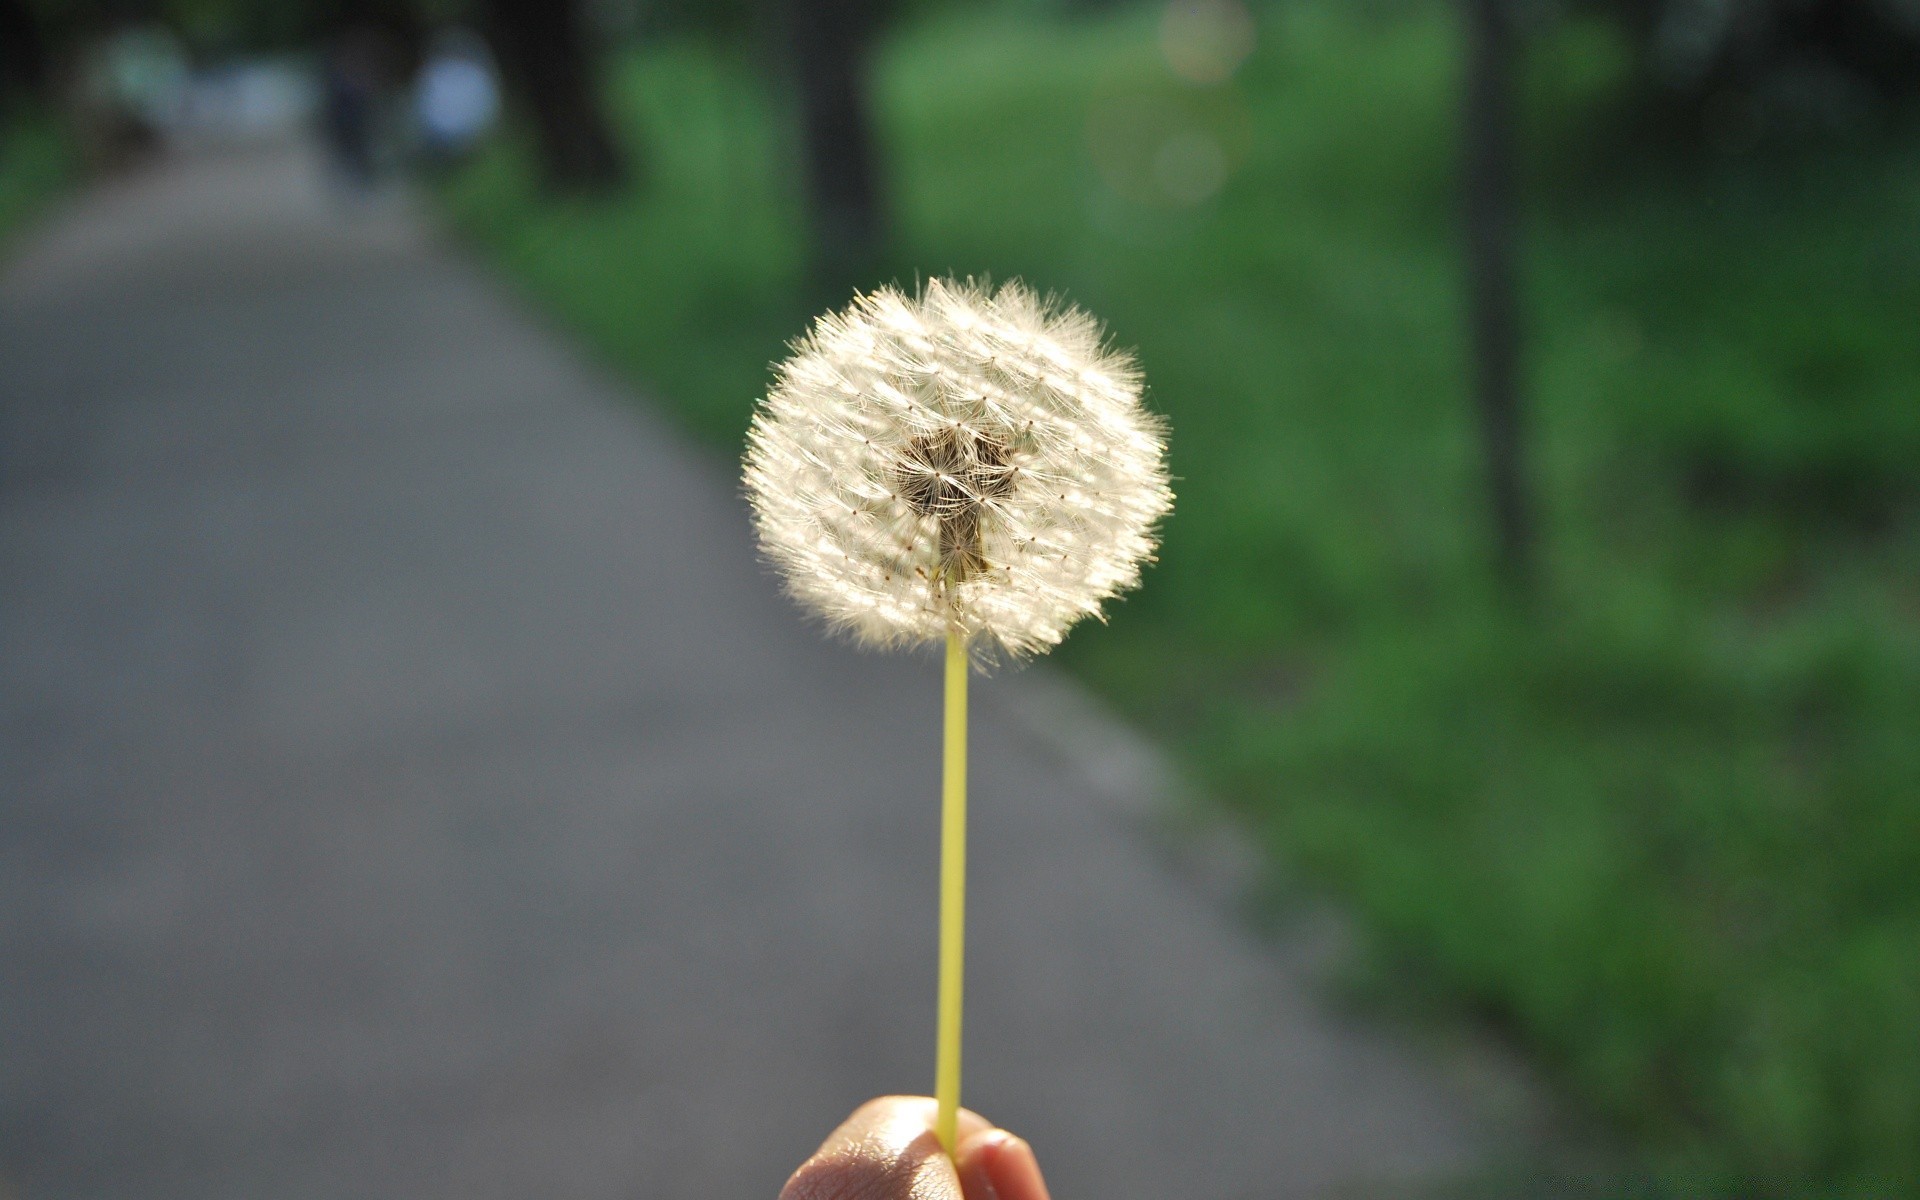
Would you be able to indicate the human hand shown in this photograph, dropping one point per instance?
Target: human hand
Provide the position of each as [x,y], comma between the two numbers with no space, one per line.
[887,1150]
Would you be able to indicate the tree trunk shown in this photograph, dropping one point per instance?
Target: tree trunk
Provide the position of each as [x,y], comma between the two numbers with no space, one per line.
[543,54]
[1491,234]
[24,66]
[830,41]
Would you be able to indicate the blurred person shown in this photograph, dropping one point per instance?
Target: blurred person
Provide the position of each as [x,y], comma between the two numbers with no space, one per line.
[887,1150]
[456,98]
[354,92]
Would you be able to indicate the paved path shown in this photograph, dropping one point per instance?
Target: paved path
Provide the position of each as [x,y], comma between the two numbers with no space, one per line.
[411,786]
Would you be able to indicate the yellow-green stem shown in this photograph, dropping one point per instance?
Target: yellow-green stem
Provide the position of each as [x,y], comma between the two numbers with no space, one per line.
[953,892]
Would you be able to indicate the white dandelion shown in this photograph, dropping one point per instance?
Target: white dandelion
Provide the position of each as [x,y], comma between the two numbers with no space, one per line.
[969,462]
[971,466]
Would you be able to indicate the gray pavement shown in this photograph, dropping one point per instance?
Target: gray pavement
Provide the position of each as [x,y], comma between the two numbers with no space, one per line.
[411,785]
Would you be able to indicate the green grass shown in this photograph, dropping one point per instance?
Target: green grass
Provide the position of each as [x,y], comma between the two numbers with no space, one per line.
[1665,833]
[36,164]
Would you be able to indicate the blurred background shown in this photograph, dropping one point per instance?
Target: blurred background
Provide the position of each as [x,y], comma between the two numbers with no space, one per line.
[1544,379]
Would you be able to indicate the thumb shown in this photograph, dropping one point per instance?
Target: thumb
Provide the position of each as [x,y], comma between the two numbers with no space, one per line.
[887,1150]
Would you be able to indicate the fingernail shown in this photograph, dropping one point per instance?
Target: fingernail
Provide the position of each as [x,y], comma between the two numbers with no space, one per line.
[1013,1170]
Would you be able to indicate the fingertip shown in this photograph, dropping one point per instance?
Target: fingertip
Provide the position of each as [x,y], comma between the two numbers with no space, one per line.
[970,1162]
[1016,1171]
[997,1165]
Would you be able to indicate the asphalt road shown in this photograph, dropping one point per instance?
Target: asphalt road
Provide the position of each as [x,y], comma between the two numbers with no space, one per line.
[412,786]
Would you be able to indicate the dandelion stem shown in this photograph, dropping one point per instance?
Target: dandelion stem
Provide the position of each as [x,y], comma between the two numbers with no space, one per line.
[953,892]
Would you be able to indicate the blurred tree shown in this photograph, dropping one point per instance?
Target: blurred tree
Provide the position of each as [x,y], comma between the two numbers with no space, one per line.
[1489,133]
[725,22]
[543,53]
[26,68]
[831,41]
[1734,69]
[214,27]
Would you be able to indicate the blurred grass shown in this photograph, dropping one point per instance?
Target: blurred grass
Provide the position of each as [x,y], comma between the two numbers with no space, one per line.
[36,164]
[1665,831]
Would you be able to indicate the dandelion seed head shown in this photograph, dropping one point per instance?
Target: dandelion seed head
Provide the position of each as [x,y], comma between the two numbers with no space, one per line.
[971,461]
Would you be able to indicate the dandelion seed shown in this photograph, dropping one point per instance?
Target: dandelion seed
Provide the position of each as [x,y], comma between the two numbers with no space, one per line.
[913,449]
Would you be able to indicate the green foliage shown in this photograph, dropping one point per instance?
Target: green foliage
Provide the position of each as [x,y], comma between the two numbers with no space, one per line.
[1666,829]
[36,163]
[1734,72]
